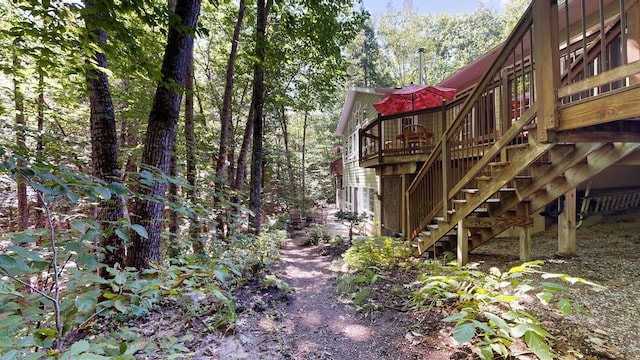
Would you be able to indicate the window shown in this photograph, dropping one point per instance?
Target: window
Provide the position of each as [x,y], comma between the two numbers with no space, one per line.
[368,200]
[372,196]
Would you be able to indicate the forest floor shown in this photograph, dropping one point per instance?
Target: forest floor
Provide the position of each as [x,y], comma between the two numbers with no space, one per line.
[313,322]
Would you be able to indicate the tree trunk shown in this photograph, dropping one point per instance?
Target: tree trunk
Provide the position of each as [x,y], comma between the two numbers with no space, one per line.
[287,153]
[18,98]
[40,219]
[161,131]
[190,141]
[225,116]
[241,168]
[173,247]
[255,195]
[104,140]
[302,166]
[41,104]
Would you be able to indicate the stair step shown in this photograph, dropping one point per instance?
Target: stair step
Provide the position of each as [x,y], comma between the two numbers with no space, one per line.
[498,164]
[470,191]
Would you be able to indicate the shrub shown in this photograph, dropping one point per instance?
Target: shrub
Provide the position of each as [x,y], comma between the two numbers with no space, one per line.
[488,309]
[315,235]
[382,252]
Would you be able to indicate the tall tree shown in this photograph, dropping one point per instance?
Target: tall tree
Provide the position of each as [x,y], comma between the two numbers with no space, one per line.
[161,131]
[225,116]
[21,124]
[287,154]
[104,139]
[191,147]
[257,102]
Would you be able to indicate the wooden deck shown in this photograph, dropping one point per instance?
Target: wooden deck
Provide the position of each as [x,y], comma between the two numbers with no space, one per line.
[521,138]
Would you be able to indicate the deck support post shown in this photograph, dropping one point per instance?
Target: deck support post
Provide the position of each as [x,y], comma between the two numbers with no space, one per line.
[546,55]
[567,225]
[405,209]
[633,39]
[463,244]
[522,210]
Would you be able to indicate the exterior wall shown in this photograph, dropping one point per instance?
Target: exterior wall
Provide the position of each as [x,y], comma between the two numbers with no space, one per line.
[360,186]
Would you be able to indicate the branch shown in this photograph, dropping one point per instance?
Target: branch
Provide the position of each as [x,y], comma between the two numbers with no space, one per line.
[31,287]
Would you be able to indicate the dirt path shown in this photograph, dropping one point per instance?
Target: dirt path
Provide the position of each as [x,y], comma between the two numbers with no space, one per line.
[318,325]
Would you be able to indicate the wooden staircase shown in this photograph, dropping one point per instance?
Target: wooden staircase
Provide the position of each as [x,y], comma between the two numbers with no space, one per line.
[478,183]
[507,198]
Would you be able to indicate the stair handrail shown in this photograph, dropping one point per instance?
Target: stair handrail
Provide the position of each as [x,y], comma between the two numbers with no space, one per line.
[516,35]
[509,46]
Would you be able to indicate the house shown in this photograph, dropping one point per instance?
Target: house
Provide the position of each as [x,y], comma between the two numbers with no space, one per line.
[358,188]
[551,116]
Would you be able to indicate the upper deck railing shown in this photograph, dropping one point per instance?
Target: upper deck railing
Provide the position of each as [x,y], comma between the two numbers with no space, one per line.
[396,138]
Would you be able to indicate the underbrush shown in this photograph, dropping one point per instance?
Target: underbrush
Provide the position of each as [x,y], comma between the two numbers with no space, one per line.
[54,305]
[369,259]
[84,316]
[489,309]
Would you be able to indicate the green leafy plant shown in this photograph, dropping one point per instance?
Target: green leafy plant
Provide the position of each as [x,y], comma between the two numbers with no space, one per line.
[383,252]
[353,218]
[272,281]
[51,297]
[488,307]
[315,235]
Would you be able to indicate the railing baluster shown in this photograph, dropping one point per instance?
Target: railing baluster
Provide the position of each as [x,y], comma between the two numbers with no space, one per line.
[568,61]
[585,59]
[623,33]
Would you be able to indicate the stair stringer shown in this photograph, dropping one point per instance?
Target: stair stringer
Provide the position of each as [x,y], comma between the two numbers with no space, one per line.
[588,160]
[516,166]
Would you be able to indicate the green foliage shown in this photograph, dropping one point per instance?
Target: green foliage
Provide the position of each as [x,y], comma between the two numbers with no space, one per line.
[384,252]
[251,254]
[318,233]
[272,281]
[489,307]
[353,218]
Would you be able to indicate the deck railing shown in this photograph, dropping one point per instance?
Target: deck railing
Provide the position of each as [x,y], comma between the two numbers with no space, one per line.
[547,62]
[383,137]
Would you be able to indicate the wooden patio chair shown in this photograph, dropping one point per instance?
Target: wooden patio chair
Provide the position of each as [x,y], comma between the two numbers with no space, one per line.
[417,136]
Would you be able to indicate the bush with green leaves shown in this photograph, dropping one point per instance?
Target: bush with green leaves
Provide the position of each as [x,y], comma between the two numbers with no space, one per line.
[384,252]
[315,235]
[250,253]
[489,307]
[357,286]
[353,218]
[52,302]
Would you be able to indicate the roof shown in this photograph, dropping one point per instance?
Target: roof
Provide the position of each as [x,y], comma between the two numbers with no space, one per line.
[470,74]
[349,102]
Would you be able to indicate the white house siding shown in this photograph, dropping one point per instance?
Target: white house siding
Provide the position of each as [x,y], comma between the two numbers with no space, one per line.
[360,186]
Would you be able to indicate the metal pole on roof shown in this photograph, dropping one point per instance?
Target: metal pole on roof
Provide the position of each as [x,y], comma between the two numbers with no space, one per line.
[420,52]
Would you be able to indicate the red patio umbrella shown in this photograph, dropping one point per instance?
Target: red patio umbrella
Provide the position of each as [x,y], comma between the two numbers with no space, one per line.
[413,97]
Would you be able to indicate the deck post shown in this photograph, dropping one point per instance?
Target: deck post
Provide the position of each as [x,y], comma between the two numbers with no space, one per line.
[446,162]
[522,210]
[405,209]
[567,225]
[463,244]
[546,55]
[633,39]
[380,142]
